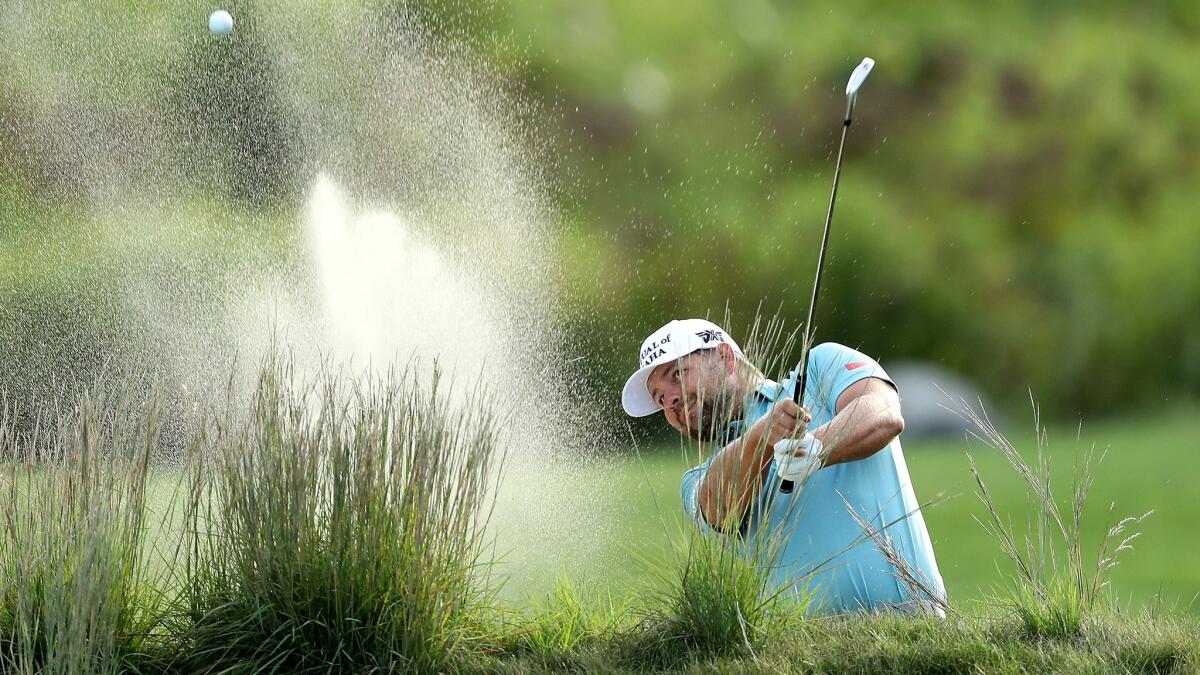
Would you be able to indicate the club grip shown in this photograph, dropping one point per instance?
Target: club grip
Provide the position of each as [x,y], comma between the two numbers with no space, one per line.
[788,486]
[795,468]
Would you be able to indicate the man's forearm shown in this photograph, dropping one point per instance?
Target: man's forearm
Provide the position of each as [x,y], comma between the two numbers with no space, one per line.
[863,427]
[734,477]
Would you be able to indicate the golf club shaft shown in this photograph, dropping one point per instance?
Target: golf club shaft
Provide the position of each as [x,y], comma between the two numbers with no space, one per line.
[798,395]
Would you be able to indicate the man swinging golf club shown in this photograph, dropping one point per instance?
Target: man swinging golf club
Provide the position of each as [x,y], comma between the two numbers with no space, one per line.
[696,375]
[842,446]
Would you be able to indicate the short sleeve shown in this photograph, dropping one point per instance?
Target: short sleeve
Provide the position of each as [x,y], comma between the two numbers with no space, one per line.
[833,368]
[690,493]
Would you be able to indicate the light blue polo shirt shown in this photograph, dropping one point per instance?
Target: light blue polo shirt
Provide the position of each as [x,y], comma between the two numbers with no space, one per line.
[822,546]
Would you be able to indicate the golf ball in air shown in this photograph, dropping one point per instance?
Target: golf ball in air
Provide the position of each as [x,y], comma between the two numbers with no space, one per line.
[220,22]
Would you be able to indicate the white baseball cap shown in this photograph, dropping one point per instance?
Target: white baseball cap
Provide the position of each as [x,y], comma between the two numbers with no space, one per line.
[665,345]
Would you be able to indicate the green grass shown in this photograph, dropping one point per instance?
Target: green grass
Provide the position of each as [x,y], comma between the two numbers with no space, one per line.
[334,526]
[891,644]
[1151,464]
[565,622]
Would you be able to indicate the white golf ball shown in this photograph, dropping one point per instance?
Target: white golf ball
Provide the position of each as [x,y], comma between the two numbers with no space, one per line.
[220,22]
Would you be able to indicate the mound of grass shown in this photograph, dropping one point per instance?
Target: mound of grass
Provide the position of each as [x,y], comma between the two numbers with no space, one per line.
[338,529]
[894,644]
[714,598]
[78,590]
[868,643]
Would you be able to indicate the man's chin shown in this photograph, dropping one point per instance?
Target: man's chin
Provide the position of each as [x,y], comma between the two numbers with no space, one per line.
[708,427]
[701,432]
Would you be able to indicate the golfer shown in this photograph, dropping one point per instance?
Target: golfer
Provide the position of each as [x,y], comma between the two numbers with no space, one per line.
[696,375]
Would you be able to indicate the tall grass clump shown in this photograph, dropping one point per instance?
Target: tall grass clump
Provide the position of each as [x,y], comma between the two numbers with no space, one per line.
[1054,588]
[338,528]
[714,598]
[715,595]
[76,586]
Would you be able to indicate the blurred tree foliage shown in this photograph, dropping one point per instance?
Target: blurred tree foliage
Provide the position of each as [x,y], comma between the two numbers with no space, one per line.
[1018,201]
[1019,198]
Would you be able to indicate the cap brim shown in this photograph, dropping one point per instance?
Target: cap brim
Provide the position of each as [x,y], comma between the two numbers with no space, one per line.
[635,398]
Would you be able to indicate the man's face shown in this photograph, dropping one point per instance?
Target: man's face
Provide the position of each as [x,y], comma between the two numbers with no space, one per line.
[696,392]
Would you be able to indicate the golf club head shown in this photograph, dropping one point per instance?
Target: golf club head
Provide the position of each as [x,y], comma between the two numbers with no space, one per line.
[856,79]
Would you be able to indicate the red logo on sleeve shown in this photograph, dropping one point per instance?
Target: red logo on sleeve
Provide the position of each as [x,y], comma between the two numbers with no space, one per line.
[855,366]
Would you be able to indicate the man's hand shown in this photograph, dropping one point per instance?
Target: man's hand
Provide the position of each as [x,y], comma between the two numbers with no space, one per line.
[797,458]
[786,419]
[867,419]
[735,474]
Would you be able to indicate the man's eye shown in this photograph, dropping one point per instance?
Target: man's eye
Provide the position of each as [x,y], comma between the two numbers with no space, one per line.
[678,375]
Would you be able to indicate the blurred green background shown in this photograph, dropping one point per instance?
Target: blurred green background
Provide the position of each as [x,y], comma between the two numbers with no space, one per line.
[1019,200]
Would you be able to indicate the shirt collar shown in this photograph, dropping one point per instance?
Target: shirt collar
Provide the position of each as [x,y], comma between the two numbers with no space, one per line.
[769,390]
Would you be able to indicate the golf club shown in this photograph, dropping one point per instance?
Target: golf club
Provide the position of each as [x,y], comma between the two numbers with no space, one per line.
[791,467]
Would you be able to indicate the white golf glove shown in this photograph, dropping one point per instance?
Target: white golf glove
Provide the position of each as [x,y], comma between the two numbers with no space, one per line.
[798,469]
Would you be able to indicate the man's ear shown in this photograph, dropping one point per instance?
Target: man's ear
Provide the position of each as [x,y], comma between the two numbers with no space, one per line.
[725,353]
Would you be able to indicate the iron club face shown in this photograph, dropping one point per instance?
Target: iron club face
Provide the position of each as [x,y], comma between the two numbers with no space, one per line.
[856,80]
